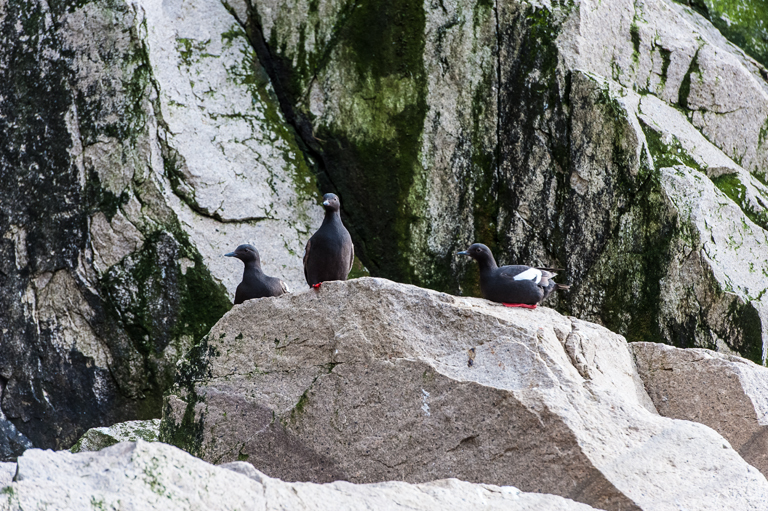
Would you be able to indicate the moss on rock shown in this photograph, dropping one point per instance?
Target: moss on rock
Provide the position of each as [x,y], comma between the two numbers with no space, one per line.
[731,185]
[743,22]
[184,429]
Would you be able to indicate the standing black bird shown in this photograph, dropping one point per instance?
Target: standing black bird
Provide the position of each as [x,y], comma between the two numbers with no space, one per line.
[255,284]
[511,285]
[329,253]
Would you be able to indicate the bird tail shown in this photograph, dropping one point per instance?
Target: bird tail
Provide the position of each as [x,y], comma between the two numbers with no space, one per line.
[562,287]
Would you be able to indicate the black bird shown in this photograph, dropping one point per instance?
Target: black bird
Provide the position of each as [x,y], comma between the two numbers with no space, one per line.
[329,253]
[255,284]
[515,285]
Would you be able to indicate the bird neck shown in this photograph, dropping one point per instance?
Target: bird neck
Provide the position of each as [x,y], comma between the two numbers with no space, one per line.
[487,263]
[251,267]
[331,217]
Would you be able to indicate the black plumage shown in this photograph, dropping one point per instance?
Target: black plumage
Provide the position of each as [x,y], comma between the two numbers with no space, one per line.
[329,253]
[255,283]
[514,284]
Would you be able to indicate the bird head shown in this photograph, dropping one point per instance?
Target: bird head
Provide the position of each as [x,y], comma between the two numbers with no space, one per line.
[246,253]
[331,202]
[478,252]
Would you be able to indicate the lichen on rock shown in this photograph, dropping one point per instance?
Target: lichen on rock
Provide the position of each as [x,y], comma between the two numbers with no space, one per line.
[112,237]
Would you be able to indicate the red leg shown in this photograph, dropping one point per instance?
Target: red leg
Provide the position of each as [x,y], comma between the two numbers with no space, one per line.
[523,305]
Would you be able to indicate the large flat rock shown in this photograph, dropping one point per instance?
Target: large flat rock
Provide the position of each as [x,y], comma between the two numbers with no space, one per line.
[727,393]
[369,380]
[142,475]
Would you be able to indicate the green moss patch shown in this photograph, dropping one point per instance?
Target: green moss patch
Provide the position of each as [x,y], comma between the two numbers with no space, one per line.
[743,22]
[195,367]
[371,153]
[358,270]
[667,154]
[731,185]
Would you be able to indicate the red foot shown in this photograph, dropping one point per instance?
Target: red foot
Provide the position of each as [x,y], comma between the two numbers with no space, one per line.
[316,285]
[523,305]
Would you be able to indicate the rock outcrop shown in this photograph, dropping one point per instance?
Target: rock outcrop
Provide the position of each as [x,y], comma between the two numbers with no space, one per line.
[96,439]
[368,381]
[623,141]
[547,131]
[142,142]
[727,393]
[141,475]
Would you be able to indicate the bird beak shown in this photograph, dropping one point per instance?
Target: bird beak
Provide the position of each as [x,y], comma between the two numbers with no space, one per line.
[462,253]
[326,203]
[230,254]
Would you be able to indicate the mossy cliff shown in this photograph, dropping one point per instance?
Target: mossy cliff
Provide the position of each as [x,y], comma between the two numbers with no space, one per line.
[744,23]
[365,85]
[112,291]
[553,163]
[623,143]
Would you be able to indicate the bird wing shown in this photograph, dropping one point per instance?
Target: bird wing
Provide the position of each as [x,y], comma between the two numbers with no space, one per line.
[520,272]
[351,258]
[306,254]
[284,286]
[530,274]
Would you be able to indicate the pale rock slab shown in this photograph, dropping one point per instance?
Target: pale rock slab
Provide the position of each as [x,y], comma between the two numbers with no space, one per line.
[669,51]
[142,475]
[7,471]
[722,243]
[369,380]
[725,392]
[242,178]
[96,439]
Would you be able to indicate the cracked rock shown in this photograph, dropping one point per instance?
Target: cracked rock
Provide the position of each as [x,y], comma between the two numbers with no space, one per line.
[368,380]
[725,392]
[143,475]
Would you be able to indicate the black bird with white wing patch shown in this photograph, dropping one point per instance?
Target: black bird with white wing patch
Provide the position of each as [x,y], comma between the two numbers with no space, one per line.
[514,285]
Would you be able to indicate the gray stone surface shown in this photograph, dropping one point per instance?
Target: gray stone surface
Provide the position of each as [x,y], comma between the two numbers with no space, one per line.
[146,138]
[369,380]
[544,128]
[7,472]
[141,475]
[144,142]
[96,439]
[725,392]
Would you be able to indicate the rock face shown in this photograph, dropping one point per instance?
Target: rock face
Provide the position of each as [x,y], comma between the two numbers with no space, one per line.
[142,141]
[141,475]
[96,439]
[623,141]
[546,130]
[368,381]
[727,393]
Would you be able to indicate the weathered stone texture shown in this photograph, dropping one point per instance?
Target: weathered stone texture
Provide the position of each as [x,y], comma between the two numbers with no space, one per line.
[368,380]
[623,141]
[141,475]
[725,392]
[545,140]
[143,142]
[96,439]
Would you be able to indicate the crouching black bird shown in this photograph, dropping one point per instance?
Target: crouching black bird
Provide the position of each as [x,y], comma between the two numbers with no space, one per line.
[329,253]
[515,285]
[255,284]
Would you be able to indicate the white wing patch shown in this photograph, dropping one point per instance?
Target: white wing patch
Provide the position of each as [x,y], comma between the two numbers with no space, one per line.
[529,274]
